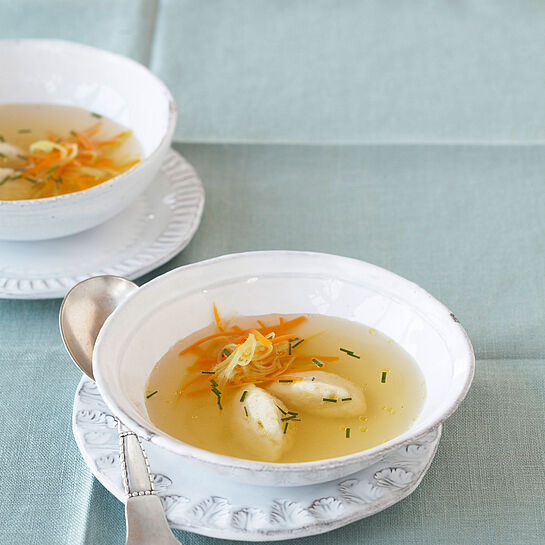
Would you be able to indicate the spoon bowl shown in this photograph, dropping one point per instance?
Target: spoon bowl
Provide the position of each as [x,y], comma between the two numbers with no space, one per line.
[84,311]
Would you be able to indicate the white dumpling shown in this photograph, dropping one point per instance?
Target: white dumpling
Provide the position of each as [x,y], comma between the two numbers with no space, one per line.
[321,393]
[257,423]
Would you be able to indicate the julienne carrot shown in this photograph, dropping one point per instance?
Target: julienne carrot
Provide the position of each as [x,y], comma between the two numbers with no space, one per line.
[234,357]
[59,164]
[217,318]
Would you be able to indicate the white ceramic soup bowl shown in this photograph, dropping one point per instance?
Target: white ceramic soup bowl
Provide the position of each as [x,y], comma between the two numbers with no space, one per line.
[179,302]
[58,72]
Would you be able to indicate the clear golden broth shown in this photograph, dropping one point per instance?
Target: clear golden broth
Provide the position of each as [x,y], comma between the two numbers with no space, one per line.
[23,124]
[391,406]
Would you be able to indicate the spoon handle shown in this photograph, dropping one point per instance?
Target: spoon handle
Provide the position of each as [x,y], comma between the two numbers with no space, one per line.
[134,464]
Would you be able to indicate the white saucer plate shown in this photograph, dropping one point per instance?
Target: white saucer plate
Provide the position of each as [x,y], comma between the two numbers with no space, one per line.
[152,230]
[217,507]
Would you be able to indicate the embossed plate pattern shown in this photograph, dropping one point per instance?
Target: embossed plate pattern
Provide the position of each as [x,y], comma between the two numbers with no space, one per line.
[158,225]
[217,507]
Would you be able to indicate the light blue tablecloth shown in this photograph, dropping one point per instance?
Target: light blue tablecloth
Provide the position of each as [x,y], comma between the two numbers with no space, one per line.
[407,135]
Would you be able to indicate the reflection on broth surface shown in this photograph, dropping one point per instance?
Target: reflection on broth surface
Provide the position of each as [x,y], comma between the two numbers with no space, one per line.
[48,150]
[285,388]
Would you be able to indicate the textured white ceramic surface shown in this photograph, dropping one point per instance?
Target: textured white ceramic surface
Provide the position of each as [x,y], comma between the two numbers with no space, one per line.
[179,302]
[202,502]
[58,72]
[154,228]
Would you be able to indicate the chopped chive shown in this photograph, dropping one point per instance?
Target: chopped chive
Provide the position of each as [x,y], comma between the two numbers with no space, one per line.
[282,410]
[289,349]
[4,180]
[24,131]
[31,180]
[349,353]
[245,410]
[98,116]
[347,435]
[331,400]
[286,427]
[293,413]
[298,343]
[346,399]
[53,169]
[291,418]
[317,362]
[383,378]
[73,133]
[243,396]
[208,373]
[23,157]
[216,392]
[285,380]
[226,352]
[313,379]
[152,394]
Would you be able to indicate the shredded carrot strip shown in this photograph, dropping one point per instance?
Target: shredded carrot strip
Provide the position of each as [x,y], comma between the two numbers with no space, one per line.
[282,338]
[260,337]
[203,340]
[84,142]
[217,317]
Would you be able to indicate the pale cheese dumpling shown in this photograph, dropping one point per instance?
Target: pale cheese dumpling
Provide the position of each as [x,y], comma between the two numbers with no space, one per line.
[257,423]
[321,393]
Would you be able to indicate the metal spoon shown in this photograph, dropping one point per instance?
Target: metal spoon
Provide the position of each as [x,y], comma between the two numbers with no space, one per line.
[83,312]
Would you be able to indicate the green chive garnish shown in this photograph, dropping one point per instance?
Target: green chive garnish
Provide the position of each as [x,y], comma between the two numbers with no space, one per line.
[285,380]
[293,413]
[313,379]
[4,180]
[23,157]
[98,116]
[152,394]
[208,373]
[243,396]
[346,399]
[286,427]
[383,378]
[226,352]
[331,400]
[289,349]
[317,362]
[214,383]
[53,169]
[31,179]
[245,410]
[298,343]
[73,133]
[349,353]
[24,131]
[347,433]
[282,410]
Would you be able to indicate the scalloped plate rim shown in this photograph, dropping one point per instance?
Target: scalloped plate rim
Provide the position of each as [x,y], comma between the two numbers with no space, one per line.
[314,527]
